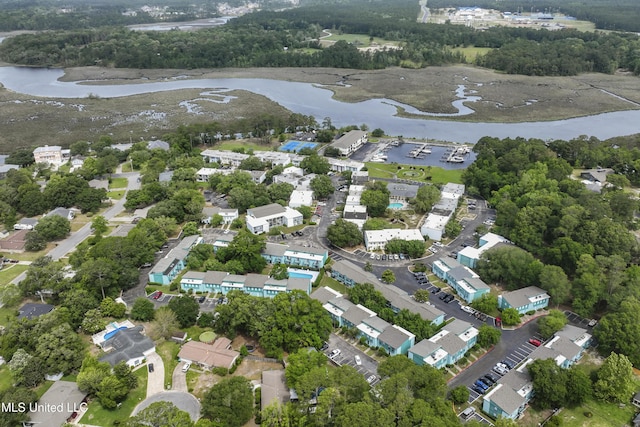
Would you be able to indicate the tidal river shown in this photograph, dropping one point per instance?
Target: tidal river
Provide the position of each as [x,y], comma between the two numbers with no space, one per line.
[310,99]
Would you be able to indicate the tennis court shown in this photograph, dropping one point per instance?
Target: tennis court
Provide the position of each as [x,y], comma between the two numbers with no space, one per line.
[295,146]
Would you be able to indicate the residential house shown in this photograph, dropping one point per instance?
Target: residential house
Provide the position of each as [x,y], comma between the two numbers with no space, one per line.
[128,345]
[402,192]
[32,310]
[344,165]
[442,212]
[377,239]
[350,274]
[463,280]
[109,331]
[350,142]
[526,299]
[229,158]
[262,219]
[122,147]
[469,255]
[167,268]
[258,177]
[510,397]
[207,356]
[356,214]
[295,255]
[396,340]
[259,285]
[352,200]
[356,190]
[221,240]
[276,158]
[635,400]
[59,405]
[300,198]
[63,212]
[53,155]
[371,328]
[158,144]
[360,177]
[25,224]
[4,169]
[598,175]
[204,174]
[274,388]
[76,163]
[14,242]
[228,215]
[447,346]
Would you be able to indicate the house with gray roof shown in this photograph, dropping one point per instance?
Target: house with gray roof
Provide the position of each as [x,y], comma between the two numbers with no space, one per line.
[32,310]
[526,299]
[168,268]
[396,340]
[350,142]
[402,192]
[273,388]
[462,279]
[158,144]
[295,255]
[259,285]
[325,294]
[355,315]
[447,346]
[66,399]
[26,224]
[263,218]
[128,345]
[228,215]
[63,212]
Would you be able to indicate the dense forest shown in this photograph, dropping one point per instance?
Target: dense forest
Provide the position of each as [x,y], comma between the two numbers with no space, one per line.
[290,39]
[621,15]
[577,244]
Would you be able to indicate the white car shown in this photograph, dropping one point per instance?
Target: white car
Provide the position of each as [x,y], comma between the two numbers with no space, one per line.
[186,367]
[358,360]
[371,379]
[466,309]
[372,256]
[334,353]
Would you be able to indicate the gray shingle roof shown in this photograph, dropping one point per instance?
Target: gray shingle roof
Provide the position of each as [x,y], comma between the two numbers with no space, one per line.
[394,337]
[424,348]
[127,344]
[520,297]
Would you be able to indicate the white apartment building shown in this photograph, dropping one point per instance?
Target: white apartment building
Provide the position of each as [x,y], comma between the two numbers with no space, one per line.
[262,219]
[377,239]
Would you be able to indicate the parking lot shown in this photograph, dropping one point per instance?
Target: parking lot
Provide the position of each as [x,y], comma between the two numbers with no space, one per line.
[578,321]
[513,359]
[347,356]
[208,305]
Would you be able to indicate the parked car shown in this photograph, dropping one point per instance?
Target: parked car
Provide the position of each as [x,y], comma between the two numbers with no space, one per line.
[186,367]
[466,309]
[371,379]
[508,364]
[157,295]
[477,389]
[325,346]
[449,298]
[468,413]
[488,381]
[482,385]
[501,368]
[150,367]
[358,360]
[535,342]
[435,290]
[401,256]
[372,256]
[443,296]
[334,353]
[491,377]
[202,299]
[396,257]
[146,265]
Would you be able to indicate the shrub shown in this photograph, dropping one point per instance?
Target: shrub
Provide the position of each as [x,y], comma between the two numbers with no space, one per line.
[173,286]
[220,371]
[531,312]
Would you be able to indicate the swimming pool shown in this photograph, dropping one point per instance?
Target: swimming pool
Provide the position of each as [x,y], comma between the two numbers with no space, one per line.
[395,205]
[297,275]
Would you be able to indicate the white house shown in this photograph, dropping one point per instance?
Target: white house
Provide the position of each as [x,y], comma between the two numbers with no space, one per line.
[300,198]
[53,155]
[350,142]
[204,174]
[262,219]
[377,239]
[228,215]
[356,214]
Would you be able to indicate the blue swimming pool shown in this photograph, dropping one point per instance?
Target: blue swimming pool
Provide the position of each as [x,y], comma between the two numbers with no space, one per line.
[296,275]
[395,206]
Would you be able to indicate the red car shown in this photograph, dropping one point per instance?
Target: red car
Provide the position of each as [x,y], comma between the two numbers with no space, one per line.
[535,342]
[158,295]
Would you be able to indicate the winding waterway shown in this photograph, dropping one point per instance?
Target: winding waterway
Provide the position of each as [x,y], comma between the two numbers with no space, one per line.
[310,99]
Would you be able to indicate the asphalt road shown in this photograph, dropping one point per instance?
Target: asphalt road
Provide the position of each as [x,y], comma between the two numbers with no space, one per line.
[70,243]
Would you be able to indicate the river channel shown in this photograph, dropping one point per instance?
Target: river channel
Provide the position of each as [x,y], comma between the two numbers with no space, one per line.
[310,99]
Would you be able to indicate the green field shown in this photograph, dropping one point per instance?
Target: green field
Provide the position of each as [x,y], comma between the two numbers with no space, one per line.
[333,284]
[232,145]
[360,40]
[118,183]
[10,272]
[96,415]
[471,53]
[438,174]
[168,351]
[115,195]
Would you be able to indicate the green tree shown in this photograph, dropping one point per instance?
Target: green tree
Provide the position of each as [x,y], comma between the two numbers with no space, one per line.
[388,276]
[165,323]
[554,280]
[53,227]
[421,295]
[315,164]
[92,322]
[426,197]
[549,383]
[551,323]
[344,234]
[376,224]
[579,386]
[16,396]
[229,402]
[510,317]
[488,336]
[459,395]
[111,392]
[615,379]
[377,133]
[453,228]
[280,192]
[245,249]
[321,186]
[305,211]
[619,331]
[110,308]
[301,362]
[61,350]
[376,199]
[142,310]
[160,414]
[186,309]
[99,225]
[91,375]
[279,271]
[487,303]
[190,229]
[26,369]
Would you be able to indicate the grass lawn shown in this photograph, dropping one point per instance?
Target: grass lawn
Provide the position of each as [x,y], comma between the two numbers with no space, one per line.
[603,415]
[118,183]
[231,145]
[471,53]
[6,381]
[438,174]
[98,416]
[359,39]
[32,256]
[333,284]
[10,272]
[169,353]
[194,332]
[42,388]
[126,167]
[115,195]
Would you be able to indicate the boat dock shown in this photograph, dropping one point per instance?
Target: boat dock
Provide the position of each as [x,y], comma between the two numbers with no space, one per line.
[420,152]
[455,155]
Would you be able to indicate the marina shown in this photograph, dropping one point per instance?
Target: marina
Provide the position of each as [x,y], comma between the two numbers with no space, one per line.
[420,152]
[461,156]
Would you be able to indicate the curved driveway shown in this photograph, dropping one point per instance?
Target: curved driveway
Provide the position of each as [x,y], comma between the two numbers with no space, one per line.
[179,378]
[183,401]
